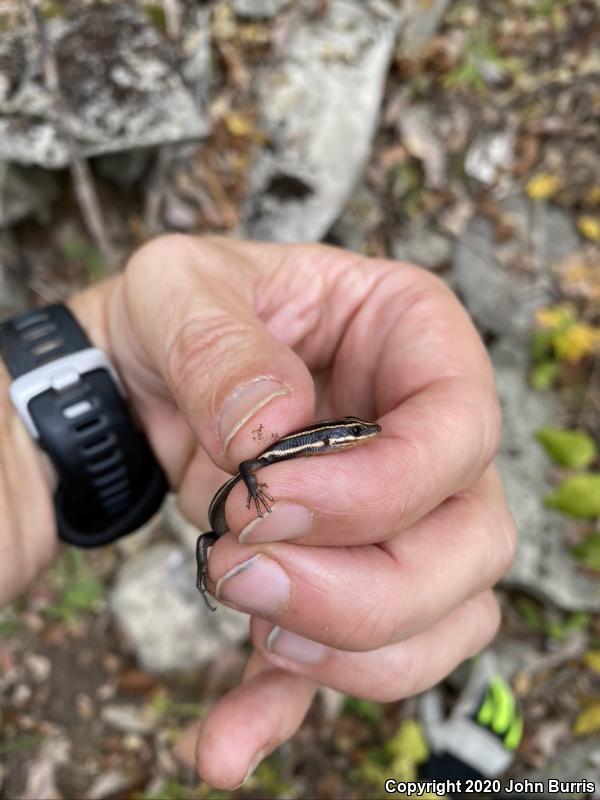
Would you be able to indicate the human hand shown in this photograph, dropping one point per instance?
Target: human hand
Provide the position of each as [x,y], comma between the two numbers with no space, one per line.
[382,584]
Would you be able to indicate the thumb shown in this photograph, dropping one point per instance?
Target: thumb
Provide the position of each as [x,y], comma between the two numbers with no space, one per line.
[184,319]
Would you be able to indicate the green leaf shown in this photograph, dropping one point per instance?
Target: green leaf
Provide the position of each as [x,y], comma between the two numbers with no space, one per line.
[363,709]
[78,588]
[543,375]
[588,551]
[531,613]
[578,496]
[9,628]
[568,448]
[588,721]
[592,660]
[542,344]
[577,621]
[408,743]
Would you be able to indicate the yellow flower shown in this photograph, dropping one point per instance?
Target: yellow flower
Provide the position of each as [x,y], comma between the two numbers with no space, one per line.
[575,342]
[555,317]
[238,124]
[543,186]
[589,227]
[592,196]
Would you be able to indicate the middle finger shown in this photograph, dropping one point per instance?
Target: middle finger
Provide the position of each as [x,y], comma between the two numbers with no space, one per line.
[361,598]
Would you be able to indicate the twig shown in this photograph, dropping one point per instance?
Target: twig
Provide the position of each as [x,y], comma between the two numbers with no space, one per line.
[83,180]
[589,401]
[156,190]
[172,18]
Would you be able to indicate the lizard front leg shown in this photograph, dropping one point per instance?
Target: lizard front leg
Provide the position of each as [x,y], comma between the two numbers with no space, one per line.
[256,491]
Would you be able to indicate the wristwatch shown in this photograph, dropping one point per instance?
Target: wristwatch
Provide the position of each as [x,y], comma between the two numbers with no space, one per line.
[72,403]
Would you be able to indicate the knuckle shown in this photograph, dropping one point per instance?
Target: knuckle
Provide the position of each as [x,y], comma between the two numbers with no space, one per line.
[197,345]
[171,248]
[486,609]
[508,543]
[492,427]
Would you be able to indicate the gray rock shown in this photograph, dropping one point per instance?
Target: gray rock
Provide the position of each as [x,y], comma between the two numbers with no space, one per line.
[503,301]
[359,218]
[545,228]
[320,108]
[156,603]
[490,156]
[258,9]
[578,761]
[111,783]
[423,246]
[500,302]
[23,192]
[120,82]
[129,718]
[179,526]
[197,66]
[417,124]
[38,666]
[543,565]
[422,22]
[502,297]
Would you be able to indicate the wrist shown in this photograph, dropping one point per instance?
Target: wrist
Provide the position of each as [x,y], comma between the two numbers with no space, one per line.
[90,309]
[27,480]
[28,534]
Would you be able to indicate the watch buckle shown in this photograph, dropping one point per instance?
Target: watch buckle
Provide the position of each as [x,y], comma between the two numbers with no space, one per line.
[59,375]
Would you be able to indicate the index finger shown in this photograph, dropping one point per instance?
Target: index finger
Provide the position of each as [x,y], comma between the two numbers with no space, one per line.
[430,384]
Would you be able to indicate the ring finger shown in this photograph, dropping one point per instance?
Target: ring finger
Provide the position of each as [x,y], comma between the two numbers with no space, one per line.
[392,672]
[362,598]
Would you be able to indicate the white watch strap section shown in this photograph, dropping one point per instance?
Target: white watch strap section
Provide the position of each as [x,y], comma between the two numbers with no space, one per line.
[59,375]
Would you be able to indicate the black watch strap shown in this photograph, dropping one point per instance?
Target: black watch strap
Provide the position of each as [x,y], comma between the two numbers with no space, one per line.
[70,400]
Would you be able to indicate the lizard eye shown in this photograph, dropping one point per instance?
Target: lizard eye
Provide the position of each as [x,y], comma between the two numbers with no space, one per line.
[356,430]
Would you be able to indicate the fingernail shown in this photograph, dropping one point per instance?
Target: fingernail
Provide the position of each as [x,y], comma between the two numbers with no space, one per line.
[289,645]
[243,403]
[257,586]
[286,521]
[253,765]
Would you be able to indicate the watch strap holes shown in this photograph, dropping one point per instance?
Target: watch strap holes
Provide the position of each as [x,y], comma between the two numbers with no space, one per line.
[115,488]
[46,346]
[98,465]
[29,320]
[99,445]
[115,504]
[76,410]
[38,331]
[113,475]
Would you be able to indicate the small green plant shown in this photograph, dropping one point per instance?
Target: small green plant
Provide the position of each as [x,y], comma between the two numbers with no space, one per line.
[399,756]
[9,623]
[587,552]
[470,74]
[20,744]
[550,9]
[79,591]
[170,789]
[156,14]
[552,627]
[561,339]
[578,496]
[162,705]
[568,448]
[269,780]
[80,251]
[363,709]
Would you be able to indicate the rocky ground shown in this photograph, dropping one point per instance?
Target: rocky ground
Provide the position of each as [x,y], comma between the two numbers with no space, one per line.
[462,136]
